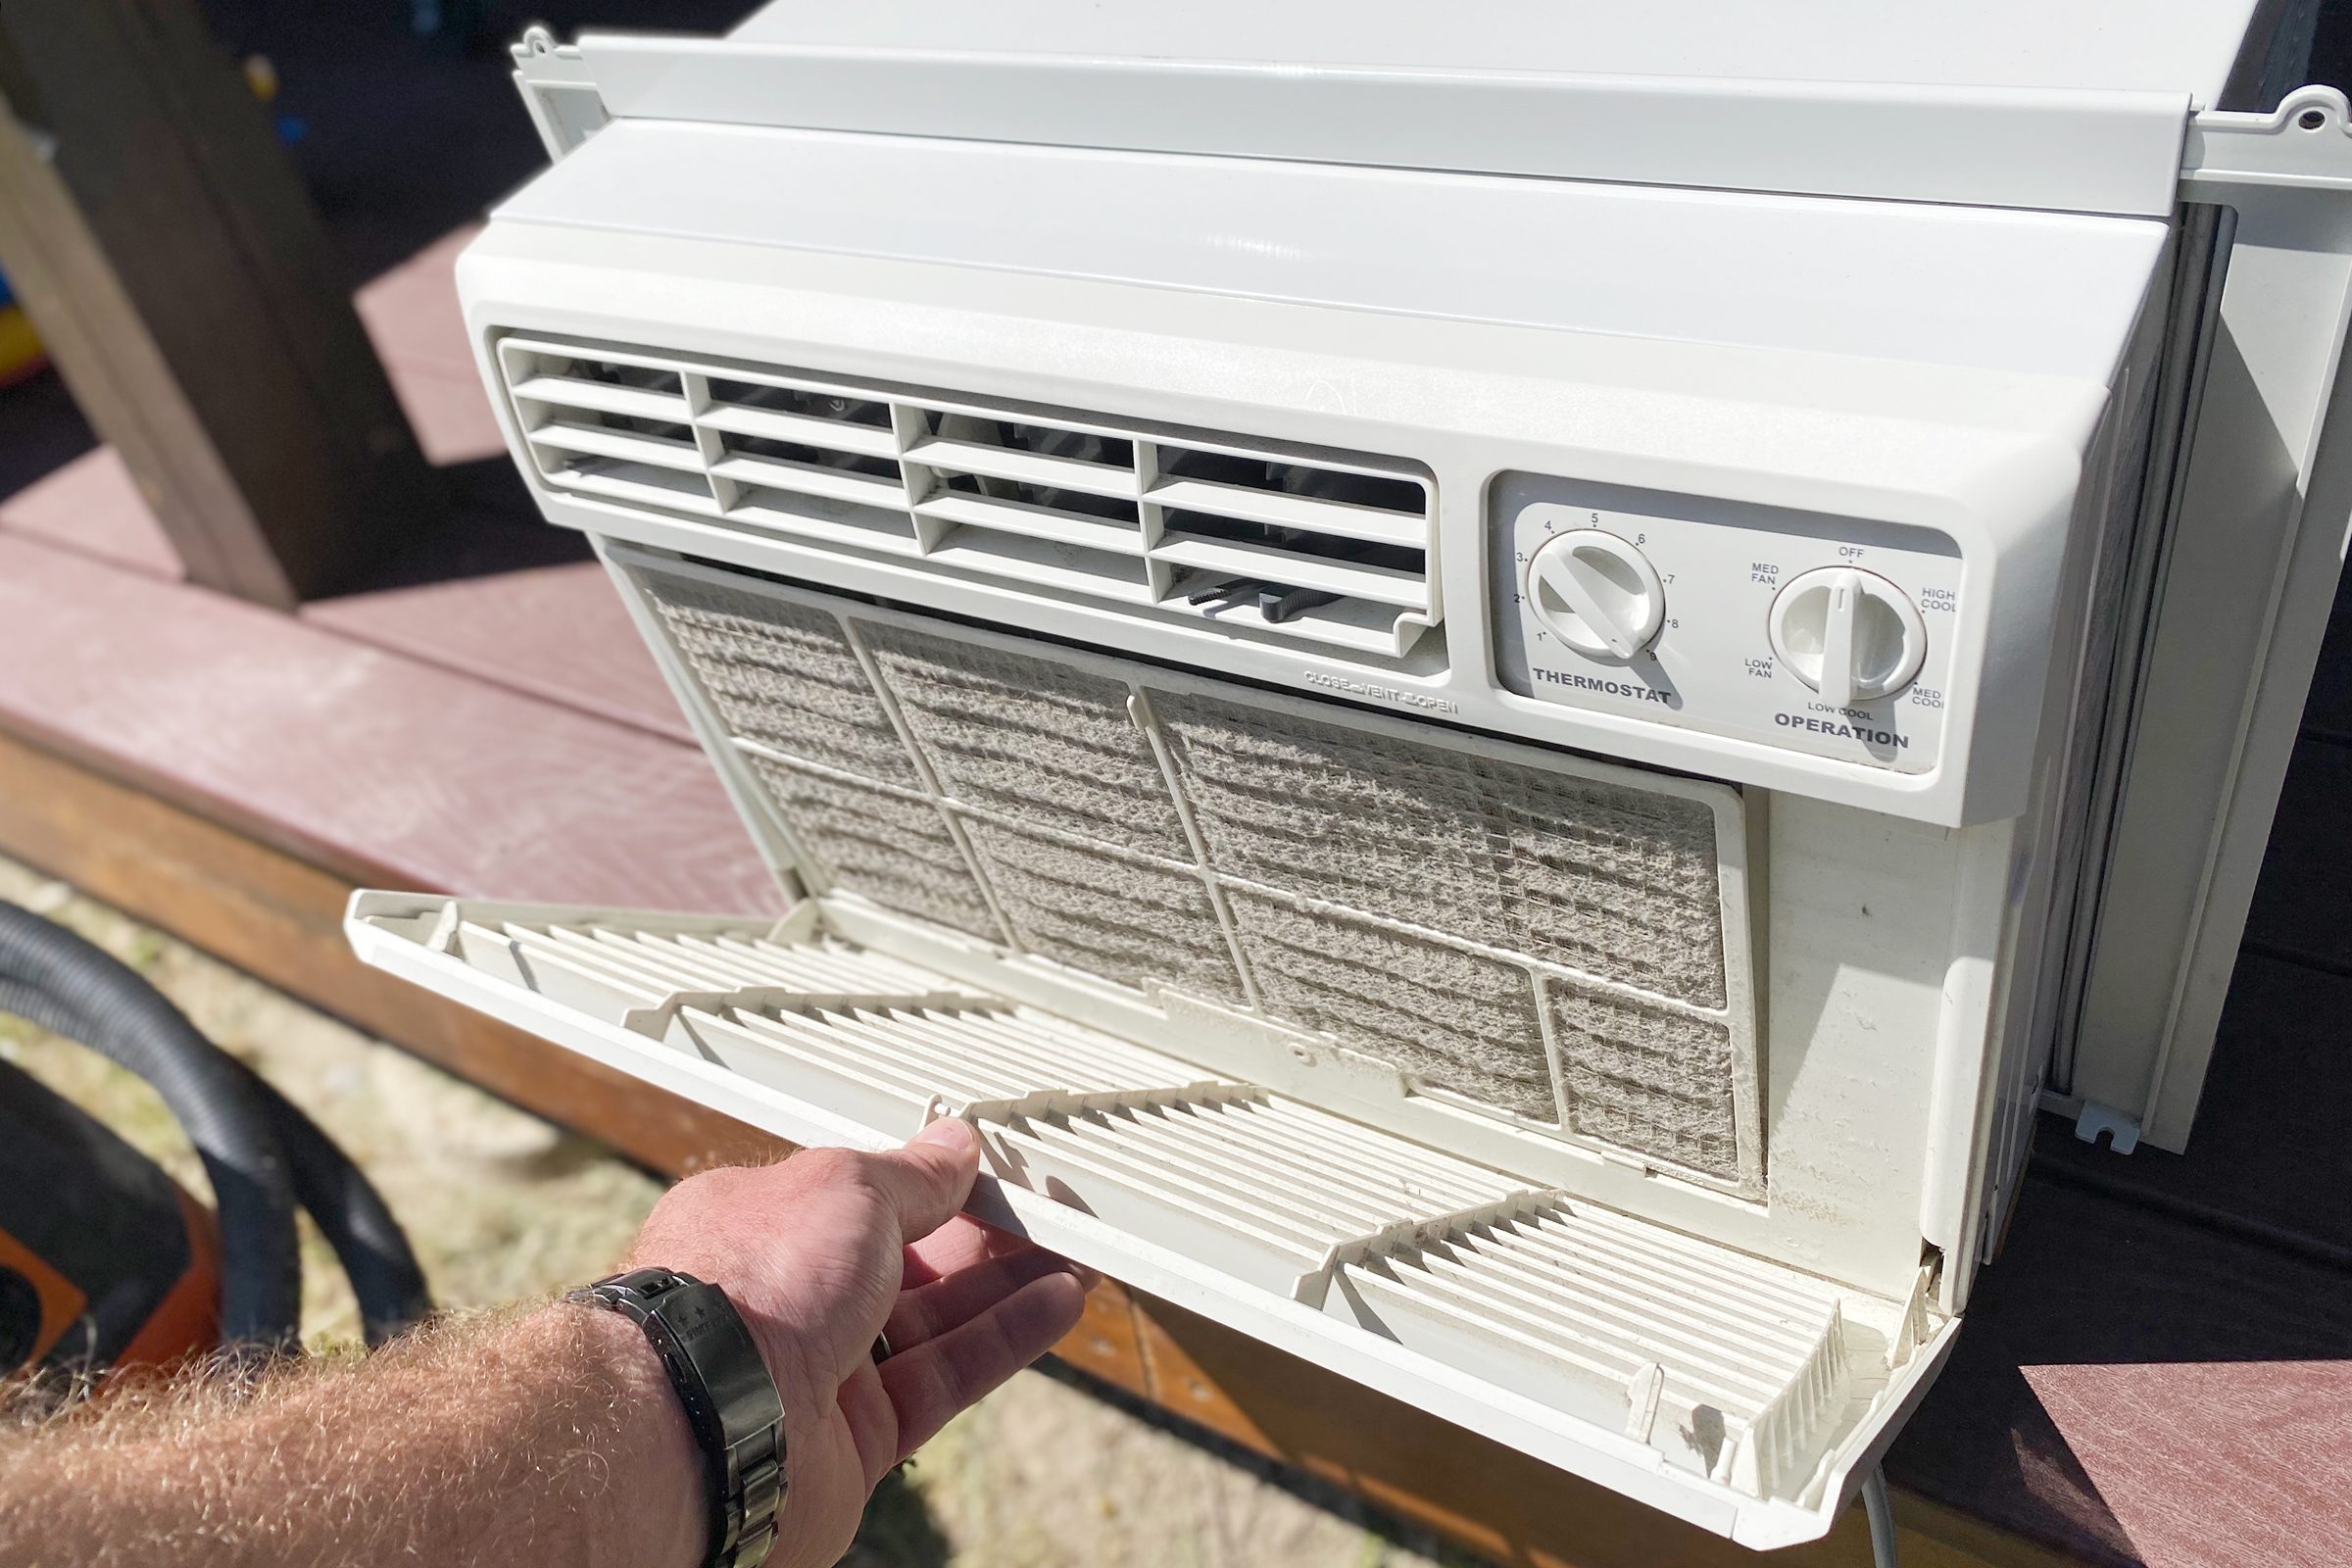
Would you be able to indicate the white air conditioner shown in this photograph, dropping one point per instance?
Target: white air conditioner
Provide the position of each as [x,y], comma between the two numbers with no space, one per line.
[1481,686]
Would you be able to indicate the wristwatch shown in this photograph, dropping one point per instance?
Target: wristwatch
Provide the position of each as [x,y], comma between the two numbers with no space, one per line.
[731,1401]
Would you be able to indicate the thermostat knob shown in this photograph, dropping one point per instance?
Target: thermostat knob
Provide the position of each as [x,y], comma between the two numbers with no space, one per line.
[1597,593]
[1849,634]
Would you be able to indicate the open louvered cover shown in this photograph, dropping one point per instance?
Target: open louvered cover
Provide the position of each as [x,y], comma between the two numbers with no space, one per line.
[1318,548]
[1719,1365]
[1530,939]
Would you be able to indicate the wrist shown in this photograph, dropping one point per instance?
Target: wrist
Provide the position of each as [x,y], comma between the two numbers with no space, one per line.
[659,1485]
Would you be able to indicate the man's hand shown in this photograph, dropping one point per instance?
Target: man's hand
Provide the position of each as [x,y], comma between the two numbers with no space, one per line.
[824,1251]
[551,1435]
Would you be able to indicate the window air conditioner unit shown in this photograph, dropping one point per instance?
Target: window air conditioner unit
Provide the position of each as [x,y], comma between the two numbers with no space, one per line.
[1481,691]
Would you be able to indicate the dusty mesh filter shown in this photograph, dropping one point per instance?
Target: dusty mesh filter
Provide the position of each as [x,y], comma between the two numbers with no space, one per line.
[1030,738]
[1459,916]
[1040,741]
[1611,881]
[1646,1078]
[896,851]
[1117,915]
[1452,1019]
[786,678]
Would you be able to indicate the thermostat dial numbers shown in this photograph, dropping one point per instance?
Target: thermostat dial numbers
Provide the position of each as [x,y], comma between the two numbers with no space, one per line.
[1748,641]
[1595,592]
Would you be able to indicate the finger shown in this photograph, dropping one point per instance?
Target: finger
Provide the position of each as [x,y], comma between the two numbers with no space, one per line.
[873,1424]
[933,1380]
[926,1182]
[958,1244]
[930,1310]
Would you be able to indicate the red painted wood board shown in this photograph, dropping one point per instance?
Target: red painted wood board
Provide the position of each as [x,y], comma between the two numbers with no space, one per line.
[356,757]
[556,632]
[411,312]
[93,506]
[2138,1388]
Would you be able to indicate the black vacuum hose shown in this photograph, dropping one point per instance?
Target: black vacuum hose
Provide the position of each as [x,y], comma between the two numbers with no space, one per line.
[260,1152]
[55,979]
[351,1215]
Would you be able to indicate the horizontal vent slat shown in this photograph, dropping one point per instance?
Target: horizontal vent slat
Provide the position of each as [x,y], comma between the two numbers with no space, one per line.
[831,484]
[602,441]
[603,397]
[1046,563]
[841,436]
[847,523]
[1381,584]
[1338,518]
[643,484]
[1346,623]
[1025,467]
[1036,522]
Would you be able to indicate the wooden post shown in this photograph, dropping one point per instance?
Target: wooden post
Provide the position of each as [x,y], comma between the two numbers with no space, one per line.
[156,234]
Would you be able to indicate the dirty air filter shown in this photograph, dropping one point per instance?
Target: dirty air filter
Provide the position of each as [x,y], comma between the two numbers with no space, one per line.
[895,848]
[1646,1077]
[1522,936]
[785,676]
[1612,881]
[1454,1019]
[1029,738]
[1123,916]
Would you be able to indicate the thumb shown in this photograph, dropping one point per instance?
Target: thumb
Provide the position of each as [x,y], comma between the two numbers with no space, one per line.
[925,1182]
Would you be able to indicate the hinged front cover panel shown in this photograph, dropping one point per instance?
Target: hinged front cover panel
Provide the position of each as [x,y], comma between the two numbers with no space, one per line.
[1738,1394]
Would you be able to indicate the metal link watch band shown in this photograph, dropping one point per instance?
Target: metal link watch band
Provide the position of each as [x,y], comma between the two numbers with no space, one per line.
[729,1399]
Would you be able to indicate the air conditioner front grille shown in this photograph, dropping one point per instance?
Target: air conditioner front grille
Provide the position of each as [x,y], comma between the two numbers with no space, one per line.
[1311,547]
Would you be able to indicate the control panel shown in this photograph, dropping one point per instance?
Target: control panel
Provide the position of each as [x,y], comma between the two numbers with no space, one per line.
[1818,634]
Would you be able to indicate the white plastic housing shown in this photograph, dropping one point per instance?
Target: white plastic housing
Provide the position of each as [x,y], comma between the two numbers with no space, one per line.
[1014,348]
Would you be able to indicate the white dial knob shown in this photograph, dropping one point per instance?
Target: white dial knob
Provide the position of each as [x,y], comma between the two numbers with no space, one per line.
[1595,592]
[1850,635]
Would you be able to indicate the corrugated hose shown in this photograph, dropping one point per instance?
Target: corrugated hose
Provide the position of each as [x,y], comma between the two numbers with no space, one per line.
[262,1155]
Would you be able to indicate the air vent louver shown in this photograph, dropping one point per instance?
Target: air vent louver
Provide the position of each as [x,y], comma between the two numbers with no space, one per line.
[1698,1359]
[1309,545]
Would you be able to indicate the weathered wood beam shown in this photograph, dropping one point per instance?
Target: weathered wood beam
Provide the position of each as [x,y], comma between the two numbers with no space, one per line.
[156,234]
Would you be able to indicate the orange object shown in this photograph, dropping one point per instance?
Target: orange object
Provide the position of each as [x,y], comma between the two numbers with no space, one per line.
[21,353]
[105,1261]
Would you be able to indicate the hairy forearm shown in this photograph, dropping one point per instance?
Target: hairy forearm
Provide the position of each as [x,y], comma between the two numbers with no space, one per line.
[549,1435]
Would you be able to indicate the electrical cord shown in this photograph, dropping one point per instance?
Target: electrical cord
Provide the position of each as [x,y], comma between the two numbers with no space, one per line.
[1879,1509]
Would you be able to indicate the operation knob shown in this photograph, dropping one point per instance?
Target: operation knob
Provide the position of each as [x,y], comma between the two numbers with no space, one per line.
[1597,593]
[1849,634]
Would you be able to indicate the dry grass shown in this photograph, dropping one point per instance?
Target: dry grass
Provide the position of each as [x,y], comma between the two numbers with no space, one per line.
[500,1204]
